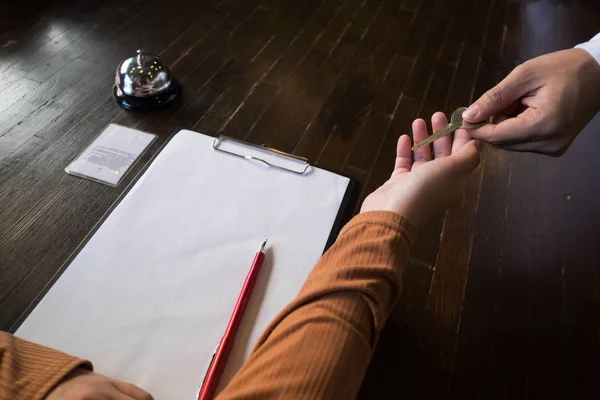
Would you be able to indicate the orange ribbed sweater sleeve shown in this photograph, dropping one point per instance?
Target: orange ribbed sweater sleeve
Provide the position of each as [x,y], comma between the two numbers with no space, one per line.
[320,345]
[29,371]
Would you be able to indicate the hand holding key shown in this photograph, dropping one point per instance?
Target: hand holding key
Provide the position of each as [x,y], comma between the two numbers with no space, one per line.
[542,105]
[423,185]
[456,122]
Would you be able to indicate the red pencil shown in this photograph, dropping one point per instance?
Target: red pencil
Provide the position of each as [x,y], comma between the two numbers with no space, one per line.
[217,365]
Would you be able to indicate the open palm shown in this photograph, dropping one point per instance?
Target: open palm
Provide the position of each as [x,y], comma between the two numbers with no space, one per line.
[421,188]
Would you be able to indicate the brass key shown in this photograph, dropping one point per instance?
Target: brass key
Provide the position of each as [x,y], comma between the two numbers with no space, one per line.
[456,122]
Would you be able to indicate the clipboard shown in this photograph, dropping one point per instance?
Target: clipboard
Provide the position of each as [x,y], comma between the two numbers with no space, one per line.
[35,325]
[302,169]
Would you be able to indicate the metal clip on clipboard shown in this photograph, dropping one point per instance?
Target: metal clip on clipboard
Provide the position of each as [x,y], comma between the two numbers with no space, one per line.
[221,138]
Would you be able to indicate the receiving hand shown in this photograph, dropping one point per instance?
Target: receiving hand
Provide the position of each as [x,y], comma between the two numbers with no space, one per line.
[83,384]
[541,105]
[422,189]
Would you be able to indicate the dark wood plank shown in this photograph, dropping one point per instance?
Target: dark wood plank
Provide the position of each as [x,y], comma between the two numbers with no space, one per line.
[68,85]
[222,110]
[427,247]
[17,90]
[412,5]
[13,271]
[196,45]
[452,235]
[396,368]
[296,65]
[283,108]
[41,196]
[406,112]
[372,90]
[546,363]
[67,119]
[519,262]
[9,75]
[224,60]
[194,35]
[410,44]
[298,49]
[136,35]
[337,26]
[351,101]
[477,319]
[426,59]
[373,132]
[436,91]
[580,236]
[450,50]
[300,99]
[60,51]
[244,118]
[46,114]
[323,109]
[444,303]
[55,47]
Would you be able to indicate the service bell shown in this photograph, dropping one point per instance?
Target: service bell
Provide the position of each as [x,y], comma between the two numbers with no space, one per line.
[144,81]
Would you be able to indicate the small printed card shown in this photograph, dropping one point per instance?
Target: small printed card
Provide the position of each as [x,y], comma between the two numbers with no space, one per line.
[111,155]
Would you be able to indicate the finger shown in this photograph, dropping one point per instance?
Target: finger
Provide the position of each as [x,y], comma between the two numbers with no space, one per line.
[443,146]
[501,96]
[111,393]
[131,390]
[461,137]
[419,129]
[466,159]
[549,149]
[403,156]
[522,128]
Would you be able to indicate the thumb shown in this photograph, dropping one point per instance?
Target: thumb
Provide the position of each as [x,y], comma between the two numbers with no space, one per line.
[499,97]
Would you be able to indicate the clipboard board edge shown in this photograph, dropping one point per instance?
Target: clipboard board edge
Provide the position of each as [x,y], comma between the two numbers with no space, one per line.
[342,212]
[333,234]
[89,235]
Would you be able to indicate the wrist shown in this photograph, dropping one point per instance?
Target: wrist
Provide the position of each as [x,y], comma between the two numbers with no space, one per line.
[399,212]
[58,391]
[589,71]
[389,219]
[411,214]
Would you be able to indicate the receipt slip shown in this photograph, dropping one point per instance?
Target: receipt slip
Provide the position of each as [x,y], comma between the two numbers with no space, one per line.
[111,155]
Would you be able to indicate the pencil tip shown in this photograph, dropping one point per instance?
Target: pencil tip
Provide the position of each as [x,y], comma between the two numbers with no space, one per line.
[262,248]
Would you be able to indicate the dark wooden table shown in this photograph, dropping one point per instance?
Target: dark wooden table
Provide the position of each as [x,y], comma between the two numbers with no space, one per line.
[501,299]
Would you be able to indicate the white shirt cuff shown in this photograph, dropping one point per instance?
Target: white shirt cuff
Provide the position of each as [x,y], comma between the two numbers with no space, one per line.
[592,47]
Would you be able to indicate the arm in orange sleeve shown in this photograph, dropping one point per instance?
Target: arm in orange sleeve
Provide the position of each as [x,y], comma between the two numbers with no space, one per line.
[320,345]
[29,371]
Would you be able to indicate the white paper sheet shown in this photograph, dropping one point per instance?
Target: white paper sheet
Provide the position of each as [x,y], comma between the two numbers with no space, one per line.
[148,298]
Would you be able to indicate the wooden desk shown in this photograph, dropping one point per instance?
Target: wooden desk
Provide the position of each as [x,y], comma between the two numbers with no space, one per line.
[501,297]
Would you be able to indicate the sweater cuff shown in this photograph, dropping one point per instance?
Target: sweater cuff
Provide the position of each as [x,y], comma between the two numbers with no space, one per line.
[592,47]
[30,370]
[388,219]
[64,365]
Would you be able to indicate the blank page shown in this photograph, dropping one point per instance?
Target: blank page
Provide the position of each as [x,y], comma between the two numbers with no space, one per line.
[148,297]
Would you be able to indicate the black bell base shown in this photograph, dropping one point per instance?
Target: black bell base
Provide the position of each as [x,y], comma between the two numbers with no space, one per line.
[147,102]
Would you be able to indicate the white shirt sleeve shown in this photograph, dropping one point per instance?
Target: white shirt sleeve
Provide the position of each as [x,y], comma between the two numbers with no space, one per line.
[592,47]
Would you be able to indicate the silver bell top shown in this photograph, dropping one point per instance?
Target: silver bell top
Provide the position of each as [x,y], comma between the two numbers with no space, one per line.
[143,75]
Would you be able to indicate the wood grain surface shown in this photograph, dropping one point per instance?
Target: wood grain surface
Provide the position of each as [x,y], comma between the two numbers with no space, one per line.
[501,297]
